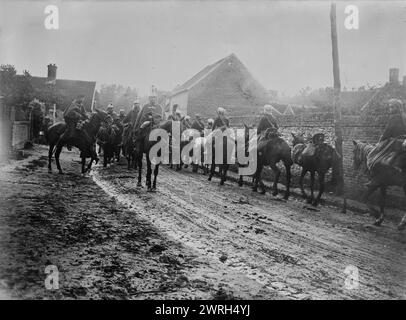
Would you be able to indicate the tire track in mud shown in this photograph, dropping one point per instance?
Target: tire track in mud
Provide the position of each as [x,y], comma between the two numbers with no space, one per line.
[284,248]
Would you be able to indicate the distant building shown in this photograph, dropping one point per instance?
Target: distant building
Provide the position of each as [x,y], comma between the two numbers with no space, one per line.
[226,83]
[70,89]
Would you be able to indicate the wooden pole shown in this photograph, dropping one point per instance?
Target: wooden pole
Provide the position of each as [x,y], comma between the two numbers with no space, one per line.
[336,101]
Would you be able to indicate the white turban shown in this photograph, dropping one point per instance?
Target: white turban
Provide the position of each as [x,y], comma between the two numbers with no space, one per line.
[268,109]
[221,110]
[210,120]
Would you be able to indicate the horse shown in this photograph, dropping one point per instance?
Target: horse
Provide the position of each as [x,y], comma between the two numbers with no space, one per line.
[143,145]
[271,149]
[382,175]
[184,125]
[84,140]
[324,158]
[107,137]
[128,140]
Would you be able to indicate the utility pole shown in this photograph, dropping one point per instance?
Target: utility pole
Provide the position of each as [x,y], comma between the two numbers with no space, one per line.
[336,101]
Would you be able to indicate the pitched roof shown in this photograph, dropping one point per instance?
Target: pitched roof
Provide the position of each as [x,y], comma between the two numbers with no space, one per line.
[199,76]
[376,104]
[70,89]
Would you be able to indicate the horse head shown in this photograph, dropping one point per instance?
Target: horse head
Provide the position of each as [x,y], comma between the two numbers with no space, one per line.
[359,156]
[298,139]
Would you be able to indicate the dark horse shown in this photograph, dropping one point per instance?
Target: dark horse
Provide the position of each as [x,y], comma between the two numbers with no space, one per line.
[271,149]
[324,158]
[107,137]
[143,145]
[84,139]
[381,175]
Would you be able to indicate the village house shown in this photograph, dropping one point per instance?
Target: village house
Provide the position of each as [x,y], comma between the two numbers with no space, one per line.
[226,83]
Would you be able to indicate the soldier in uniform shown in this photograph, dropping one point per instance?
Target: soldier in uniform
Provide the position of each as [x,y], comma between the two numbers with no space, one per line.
[397,122]
[175,115]
[131,116]
[152,111]
[121,116]
[72,115]
[198,123]
[267,121]
[110,111]
[221,122]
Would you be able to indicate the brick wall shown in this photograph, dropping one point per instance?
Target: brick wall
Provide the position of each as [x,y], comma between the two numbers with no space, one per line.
[364,128]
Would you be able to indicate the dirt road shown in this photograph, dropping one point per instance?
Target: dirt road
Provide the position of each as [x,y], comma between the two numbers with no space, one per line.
[288,251]
[191,239]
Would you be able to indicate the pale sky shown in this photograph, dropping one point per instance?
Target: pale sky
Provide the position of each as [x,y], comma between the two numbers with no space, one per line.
[285,45]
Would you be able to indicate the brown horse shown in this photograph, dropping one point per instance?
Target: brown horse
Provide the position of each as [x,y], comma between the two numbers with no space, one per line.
[381,175]
[324,158]
[143,145]
[84,140]
[272,149]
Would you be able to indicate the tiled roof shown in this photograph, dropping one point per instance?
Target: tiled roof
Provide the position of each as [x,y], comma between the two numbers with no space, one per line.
[70,89]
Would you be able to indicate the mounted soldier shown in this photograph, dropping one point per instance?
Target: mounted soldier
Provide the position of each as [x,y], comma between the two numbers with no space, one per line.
[391,147]
[74,113]
[198,123]
[121,116]
[131,116]
[150,112]
[175,115]
[221,122]
[110,111]
[267,121]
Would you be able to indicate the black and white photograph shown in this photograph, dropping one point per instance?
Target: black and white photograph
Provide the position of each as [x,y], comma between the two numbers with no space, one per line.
[224,151]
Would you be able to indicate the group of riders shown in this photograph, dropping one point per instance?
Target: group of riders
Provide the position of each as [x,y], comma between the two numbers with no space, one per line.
[389,152]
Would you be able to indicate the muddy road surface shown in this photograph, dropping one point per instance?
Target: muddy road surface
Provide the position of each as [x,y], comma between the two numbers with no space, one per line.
[191,239]
[271,248]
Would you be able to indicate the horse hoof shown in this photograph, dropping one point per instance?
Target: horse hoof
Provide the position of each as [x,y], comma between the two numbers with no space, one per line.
[378,222]
[209,179]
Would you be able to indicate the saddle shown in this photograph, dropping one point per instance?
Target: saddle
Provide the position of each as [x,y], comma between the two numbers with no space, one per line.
[390,152]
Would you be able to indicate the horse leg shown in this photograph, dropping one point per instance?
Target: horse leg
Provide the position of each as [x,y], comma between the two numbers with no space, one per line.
[57,153]
[379,220]
[50,152]
[276,181]
[223,174]
[302,175]
[105,156]
[312,175]
[83,164]
[288,178]
[212,169]
[149,172]
[402,224]
[371,189]
[139,159]
[321,188]
[155,175]
[240,181]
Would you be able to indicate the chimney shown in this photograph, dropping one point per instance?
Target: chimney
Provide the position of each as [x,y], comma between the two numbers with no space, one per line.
[52,72]
[394,76]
